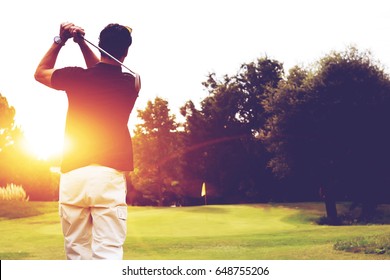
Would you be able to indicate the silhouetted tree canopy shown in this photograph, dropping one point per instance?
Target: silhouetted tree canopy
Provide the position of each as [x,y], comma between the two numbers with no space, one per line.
[7,127]
[226,152]
[328,127]
[157,148]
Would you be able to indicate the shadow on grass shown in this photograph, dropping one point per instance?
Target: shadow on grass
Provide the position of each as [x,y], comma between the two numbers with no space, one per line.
[353,216]
[207,209]
[14,255]
[18,209]
[315,213]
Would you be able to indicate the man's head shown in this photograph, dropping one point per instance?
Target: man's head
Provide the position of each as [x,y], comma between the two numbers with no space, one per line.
[116,40]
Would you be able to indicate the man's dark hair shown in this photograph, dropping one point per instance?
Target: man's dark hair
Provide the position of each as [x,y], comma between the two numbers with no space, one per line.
[115,39]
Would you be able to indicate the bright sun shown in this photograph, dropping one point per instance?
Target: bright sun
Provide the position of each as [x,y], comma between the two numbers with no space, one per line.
[45,144]
[44,127]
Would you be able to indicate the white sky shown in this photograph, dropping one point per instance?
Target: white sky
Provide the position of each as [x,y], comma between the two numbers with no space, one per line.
[175,45]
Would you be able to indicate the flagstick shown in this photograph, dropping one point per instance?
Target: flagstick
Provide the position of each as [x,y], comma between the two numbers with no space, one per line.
[204,193]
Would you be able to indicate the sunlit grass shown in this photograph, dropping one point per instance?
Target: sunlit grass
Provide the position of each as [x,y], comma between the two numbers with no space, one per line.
[262,231]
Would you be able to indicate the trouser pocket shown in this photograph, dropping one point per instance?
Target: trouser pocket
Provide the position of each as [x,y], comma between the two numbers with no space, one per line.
[121,212]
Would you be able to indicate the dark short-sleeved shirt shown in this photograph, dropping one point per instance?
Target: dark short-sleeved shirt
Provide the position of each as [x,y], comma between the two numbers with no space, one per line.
[100,100]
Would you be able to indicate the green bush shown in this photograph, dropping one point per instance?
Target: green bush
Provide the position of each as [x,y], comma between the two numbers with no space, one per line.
[379,244]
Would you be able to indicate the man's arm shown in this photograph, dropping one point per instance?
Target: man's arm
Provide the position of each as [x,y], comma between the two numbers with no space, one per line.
[46,68]
[89,56]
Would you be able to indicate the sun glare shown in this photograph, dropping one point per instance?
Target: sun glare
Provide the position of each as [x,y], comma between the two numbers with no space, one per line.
[44,146]
[44,129]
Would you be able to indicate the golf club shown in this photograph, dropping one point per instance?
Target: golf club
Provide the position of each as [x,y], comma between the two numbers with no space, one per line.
[137,77]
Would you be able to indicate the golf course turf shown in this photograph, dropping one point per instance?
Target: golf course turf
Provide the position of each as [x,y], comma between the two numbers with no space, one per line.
[31,230]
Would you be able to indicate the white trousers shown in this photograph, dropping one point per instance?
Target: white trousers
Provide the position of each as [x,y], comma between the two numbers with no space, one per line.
[93,211]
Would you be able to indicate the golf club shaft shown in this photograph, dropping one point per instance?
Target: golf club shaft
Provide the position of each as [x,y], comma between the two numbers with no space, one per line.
[102,50]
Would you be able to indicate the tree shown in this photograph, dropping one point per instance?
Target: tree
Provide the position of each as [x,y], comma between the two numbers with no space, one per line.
[7,126]
[327,128]
[157,148]
[17,165]
[8,131]
[222,135]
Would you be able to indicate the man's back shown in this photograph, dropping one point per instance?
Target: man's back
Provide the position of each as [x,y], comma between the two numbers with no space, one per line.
[100,99]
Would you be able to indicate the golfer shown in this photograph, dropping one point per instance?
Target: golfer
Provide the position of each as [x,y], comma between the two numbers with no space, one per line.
[98,148]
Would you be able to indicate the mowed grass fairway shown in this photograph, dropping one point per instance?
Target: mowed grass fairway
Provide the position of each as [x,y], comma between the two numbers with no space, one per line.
[237,232]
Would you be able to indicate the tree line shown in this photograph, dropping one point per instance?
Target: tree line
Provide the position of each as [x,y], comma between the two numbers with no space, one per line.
[319,132]
[17,165]
[260,135]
